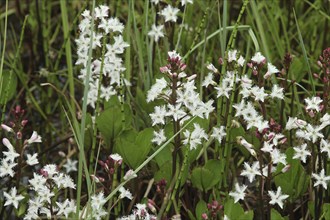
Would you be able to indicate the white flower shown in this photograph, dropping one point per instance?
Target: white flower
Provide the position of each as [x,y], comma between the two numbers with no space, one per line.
[175,111]
[277,92]
[159,137]
[154,2]
[239,193]
[125,193]
[32,159]
[219,133]
[325,120]
[184,2]
[38,182]
[271,70]
[130,175]
[6,168]
[313,132]
[7,143]
[101,11]
[70,165]
[251,172]
[51,170]
[169,13]
[11,154]
[258,58]
[35,138]
[65,208]
[98,200]
[223,90]
[12,198]
[158,117]
[258,93]
[277,197]
[232,54]
[321,179]
[212,68]
[278,157]
[208,80]
[325,147]
[294,123]
[313,103]
[301,153]
[194,138]
[241,61]
[116,157]
[156,32]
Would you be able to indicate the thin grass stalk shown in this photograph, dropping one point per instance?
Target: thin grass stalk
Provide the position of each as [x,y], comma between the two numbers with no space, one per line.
[11,72]
[301,41]
[3,55]
[68,53]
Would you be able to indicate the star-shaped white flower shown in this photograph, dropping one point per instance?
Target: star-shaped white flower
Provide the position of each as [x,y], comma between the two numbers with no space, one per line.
[156,32]
[35,138]
[277,197]
[70,165]
[258,58]
[251,172]
[313,103]
[170,13]
[325,147]
[301,153]
[219,133]
[239,193]
[321,179]
[12,197]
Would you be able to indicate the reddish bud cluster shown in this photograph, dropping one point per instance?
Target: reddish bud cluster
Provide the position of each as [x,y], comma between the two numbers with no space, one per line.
[214,208]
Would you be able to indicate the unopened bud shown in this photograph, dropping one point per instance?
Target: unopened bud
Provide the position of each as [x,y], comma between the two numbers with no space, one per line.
[286,168]
[19,135]
[6,128]
[24,122]
[204,216]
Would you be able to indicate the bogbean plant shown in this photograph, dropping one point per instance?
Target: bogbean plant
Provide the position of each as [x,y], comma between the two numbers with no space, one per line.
[229,151]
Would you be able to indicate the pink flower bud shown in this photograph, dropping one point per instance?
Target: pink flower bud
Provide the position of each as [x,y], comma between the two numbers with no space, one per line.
[204,216]
[19,135]
[24,122]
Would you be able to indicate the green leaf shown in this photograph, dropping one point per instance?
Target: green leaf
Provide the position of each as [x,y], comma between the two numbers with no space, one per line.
[235,211]
[134,147]
[295,181]
[275,215]
[200,209]
[9,84]
[325,211]
[204,178]
[110,123]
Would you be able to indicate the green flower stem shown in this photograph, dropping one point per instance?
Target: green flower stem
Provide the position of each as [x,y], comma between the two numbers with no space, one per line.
[228,146]
[149,159]
[177,184]
[97,109]
[83,120]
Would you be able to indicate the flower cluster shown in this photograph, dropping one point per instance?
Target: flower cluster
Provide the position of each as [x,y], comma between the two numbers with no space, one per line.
[46,190]
[140,212]
[170,14]
[182,101]
[93,29]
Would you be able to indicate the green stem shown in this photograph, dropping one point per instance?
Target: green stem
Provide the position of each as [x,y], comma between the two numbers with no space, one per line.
[177,184]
